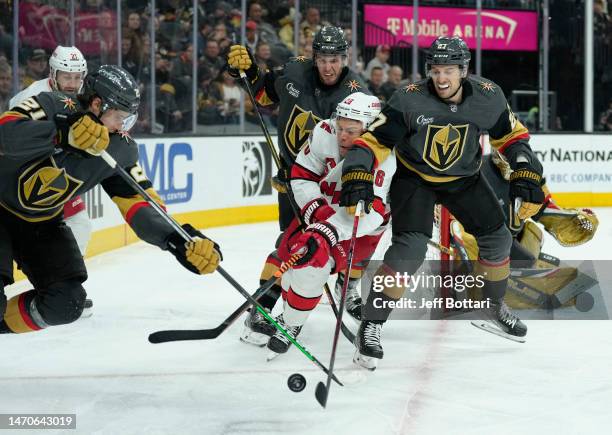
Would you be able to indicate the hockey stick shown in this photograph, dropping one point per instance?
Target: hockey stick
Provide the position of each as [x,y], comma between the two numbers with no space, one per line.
[294,207]
[322,390]
[209,334]
[185,235]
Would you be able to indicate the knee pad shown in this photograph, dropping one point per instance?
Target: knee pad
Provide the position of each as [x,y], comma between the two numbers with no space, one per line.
[61,303]
[495,245]
[407,251]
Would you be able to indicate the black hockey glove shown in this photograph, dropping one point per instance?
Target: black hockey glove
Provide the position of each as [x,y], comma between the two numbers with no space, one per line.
[357,185]
[200,256]
[281,181]
[526,183]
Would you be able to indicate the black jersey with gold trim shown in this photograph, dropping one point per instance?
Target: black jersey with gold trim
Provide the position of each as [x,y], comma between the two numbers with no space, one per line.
[303,100]
[441,141]
[37,178]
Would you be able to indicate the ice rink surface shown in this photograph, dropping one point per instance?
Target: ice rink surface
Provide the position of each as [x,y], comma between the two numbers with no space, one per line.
[437,377]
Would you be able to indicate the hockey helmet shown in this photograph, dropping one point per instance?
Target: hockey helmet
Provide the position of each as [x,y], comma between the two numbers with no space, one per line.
[360,107]
[448,51]
[68,59]
[116,88]
[330,40]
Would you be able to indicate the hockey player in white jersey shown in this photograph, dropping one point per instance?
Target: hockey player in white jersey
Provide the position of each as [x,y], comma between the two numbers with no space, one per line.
[67,70]
[315,181]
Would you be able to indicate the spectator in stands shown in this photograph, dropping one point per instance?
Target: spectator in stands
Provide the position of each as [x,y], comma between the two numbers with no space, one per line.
[380,60]
[209,99]
[203,35]
[263,56]
[134,24]
[5,85]
[286,31]
[266,31]
[182,65]
[375,83]
[166,109]
[221,14]
[230,95]
[220,35]
[6,42]
[252,36]
[312,21]
[394,77]
[211,58]
[36,67]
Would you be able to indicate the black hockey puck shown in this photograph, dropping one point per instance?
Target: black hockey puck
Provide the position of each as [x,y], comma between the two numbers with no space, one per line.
[584,302]
[296,382]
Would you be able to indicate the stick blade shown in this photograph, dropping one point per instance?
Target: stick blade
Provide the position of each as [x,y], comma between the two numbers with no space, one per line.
[321,394]
[182,335]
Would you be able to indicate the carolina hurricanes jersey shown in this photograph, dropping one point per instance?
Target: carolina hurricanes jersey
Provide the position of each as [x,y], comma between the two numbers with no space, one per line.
[317,171]
[35,88]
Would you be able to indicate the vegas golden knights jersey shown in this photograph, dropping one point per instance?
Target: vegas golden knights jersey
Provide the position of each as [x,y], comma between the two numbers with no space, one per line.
[303,100]
[440,141]
[37,178]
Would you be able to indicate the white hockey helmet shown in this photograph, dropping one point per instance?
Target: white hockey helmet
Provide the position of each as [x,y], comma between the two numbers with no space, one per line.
[360,107]
[68,59]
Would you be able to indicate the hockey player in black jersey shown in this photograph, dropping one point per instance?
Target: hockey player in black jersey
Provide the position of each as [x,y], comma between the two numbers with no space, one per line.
[306,92]
[434,125]
[48,154]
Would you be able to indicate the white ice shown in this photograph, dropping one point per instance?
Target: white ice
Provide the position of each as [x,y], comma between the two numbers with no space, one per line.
[436,378]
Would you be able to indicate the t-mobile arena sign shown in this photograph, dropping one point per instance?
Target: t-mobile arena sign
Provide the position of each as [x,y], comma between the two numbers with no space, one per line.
[501,29]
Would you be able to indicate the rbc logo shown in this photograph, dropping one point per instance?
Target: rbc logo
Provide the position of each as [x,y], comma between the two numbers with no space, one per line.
[161,169]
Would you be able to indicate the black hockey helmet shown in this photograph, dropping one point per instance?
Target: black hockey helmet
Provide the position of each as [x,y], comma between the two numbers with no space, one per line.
[115,86]
[448,51]
[330,40]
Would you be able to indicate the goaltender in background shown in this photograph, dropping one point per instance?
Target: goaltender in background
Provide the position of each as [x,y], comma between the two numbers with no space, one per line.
[459,283]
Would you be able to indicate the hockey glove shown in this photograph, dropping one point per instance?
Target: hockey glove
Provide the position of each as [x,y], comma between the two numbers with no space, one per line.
[526,183]
[315,245]
[200,256]
[317,210]
[281,181]
[83,132]
[239,59]
[570,226]
[357,185]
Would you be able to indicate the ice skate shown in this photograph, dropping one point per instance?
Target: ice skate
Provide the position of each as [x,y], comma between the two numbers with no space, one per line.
[369,350]
[257,329]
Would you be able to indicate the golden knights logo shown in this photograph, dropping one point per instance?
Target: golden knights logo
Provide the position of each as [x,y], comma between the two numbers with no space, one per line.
[44,186]
[299,126]
[444,145]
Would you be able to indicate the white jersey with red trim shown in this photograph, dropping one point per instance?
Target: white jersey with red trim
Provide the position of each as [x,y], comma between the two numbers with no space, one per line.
[317,171]
[35,88]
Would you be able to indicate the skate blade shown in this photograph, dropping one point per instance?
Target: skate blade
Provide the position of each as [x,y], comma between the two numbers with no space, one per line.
[486,326]
[366,362]
[254,338]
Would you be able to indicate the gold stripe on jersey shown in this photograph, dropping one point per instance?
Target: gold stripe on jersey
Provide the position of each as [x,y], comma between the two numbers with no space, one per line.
[125,204]
[380,151]
[519,131]
[263,99]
